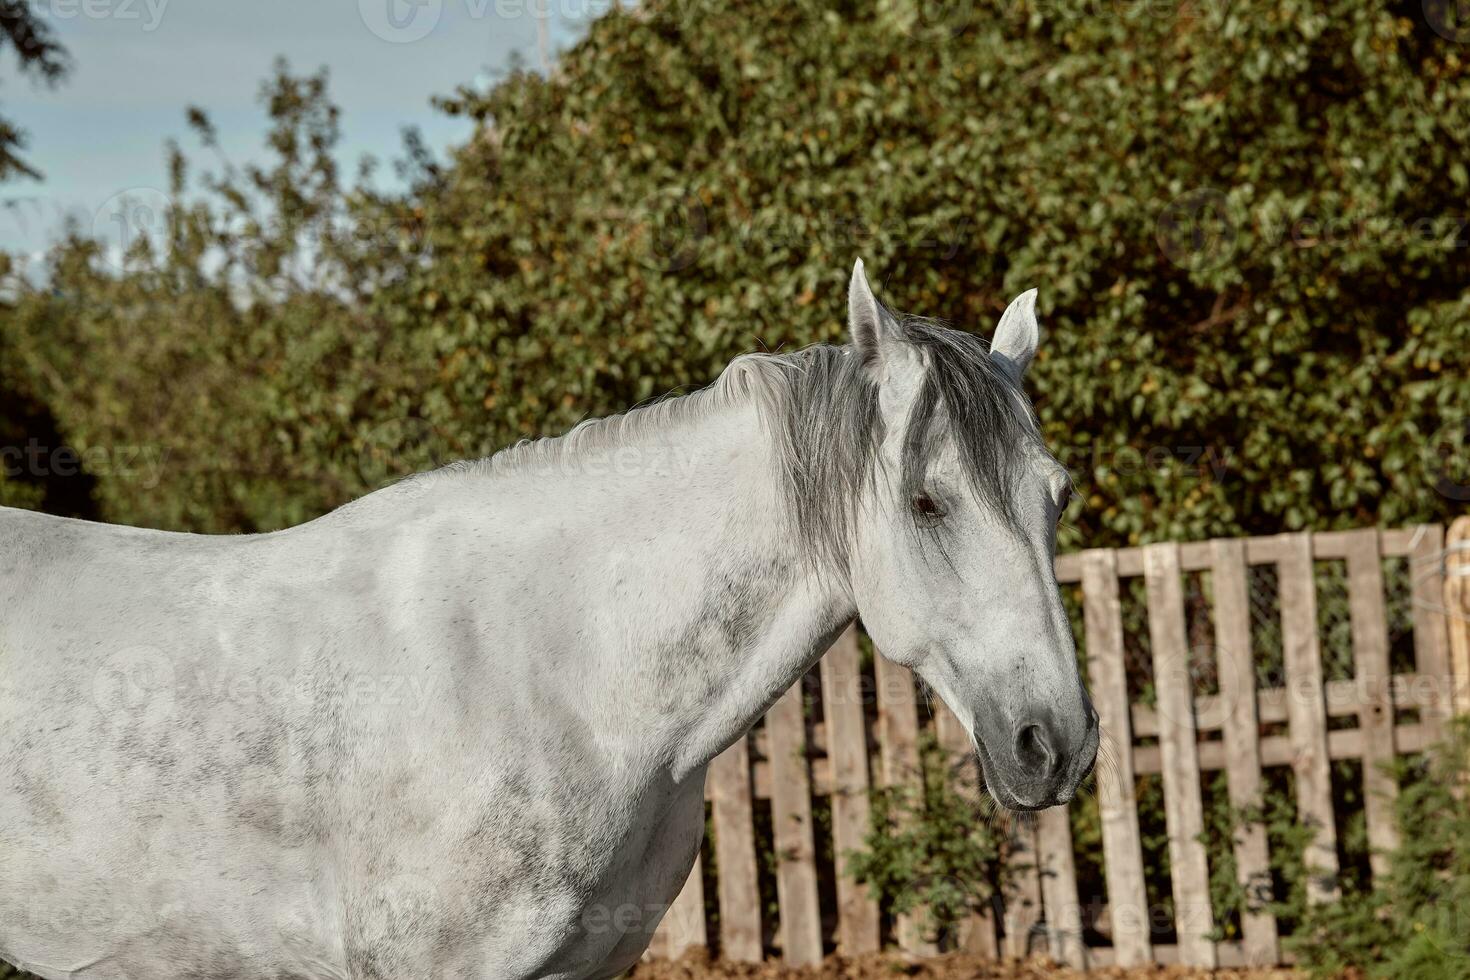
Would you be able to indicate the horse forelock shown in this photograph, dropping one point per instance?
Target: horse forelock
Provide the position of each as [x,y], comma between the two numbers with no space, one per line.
[830,428]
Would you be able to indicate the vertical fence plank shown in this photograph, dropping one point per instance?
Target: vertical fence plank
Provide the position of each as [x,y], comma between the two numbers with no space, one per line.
[733,816]
[1374,692]
[1178,746]
[1117,805]
[847,749]
[1441,612]
[1431,641]
[977,930]
[898,723]
[1240,729]
[1059,887]
[1023,893]
[1456,608]
[791,823]
[682,927]
[898,750]
[1307,713]
[658,943]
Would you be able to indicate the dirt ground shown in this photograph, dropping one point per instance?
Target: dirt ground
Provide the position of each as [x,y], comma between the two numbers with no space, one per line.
[696,965]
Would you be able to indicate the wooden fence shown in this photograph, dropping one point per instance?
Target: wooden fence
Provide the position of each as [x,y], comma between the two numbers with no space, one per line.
[863,727]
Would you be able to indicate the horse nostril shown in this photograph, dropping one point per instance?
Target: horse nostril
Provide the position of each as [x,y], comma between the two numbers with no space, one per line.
[1034,749]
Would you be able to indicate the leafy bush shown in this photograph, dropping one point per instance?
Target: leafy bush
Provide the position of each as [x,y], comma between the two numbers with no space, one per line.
[1242,217]
[1415,925]
[927,850]
[1284,895]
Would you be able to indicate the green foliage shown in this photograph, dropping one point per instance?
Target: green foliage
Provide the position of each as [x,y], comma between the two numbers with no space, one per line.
[929,847]
[25,31]
[695,181]
[1283,894]
[1415,925]
[24,422]
[238,350]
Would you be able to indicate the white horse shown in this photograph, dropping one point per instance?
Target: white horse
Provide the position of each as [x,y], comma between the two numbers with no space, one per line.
[459,728]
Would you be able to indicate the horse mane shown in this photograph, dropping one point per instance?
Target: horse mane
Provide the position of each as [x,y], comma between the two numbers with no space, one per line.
[820,404]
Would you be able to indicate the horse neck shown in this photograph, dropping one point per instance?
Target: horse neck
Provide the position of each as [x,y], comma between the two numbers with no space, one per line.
[714,609]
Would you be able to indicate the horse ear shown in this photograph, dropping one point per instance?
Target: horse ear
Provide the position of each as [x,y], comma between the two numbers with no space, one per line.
[1017,335]
[874,331]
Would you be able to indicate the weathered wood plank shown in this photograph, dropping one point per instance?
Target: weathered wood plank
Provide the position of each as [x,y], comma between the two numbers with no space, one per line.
[1023,909]
[1431,636]
[1374,692]
[1456,612]
[1398,542]
[898,723]
[658,943]
[1117,804]
[842,706]
[1307,713]
[1240,728]
[1409,691]
[733,816]
[1195,556]
[1184,813]
[800,912]
[977,930]
[1278,750]
[898,751]
[1058,870]
[683,926]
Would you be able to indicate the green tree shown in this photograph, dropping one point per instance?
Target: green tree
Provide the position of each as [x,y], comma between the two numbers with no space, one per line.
[41,57]
[1244,220]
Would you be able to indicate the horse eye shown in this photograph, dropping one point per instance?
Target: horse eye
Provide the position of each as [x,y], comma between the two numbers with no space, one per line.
[1064,499]
[925,507]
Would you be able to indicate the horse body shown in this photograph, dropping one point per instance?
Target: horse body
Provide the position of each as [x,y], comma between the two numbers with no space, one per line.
[455,729]
[458,729]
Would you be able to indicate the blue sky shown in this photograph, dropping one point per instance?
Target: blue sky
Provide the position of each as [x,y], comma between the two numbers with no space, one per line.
[139,63]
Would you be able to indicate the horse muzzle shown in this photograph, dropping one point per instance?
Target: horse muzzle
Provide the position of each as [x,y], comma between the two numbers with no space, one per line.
[1042,761]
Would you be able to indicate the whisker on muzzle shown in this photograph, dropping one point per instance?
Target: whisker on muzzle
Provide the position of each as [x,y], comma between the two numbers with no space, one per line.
[991,815]
[1106,772]
[999,821]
